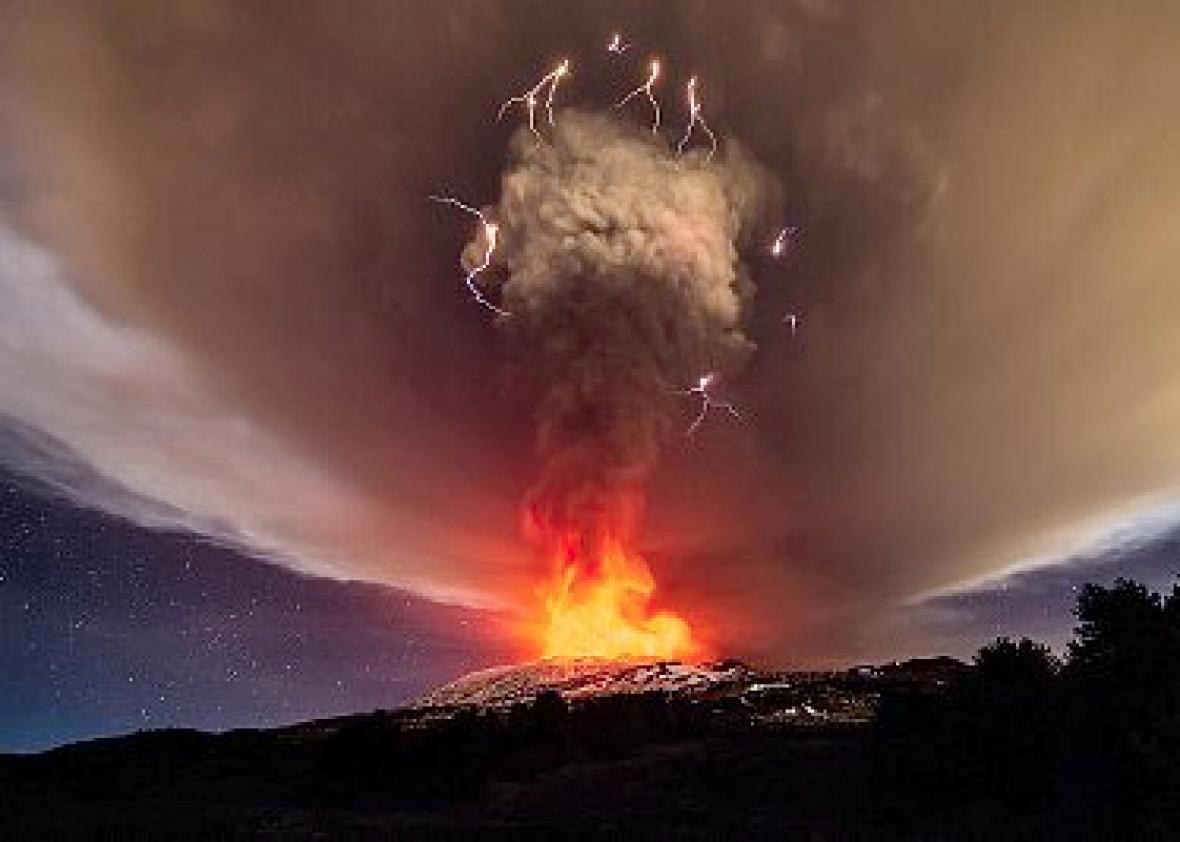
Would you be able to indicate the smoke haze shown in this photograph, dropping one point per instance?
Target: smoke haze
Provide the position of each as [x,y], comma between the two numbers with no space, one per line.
[225,304]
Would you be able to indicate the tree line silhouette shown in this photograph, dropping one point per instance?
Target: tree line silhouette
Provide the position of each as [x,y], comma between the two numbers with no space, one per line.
[1029,745]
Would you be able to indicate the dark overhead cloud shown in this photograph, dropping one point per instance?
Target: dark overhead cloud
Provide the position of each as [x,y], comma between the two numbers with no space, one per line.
[228,304]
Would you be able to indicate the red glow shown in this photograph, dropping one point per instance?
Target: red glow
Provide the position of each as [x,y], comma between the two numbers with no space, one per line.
[597,603]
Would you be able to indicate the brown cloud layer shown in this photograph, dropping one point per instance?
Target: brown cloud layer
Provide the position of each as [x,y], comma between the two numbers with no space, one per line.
[255,324]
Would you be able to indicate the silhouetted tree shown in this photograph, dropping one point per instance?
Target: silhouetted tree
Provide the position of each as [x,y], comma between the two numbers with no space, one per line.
[1022,664]
[1122,683]
[1122,639]
[1006,712]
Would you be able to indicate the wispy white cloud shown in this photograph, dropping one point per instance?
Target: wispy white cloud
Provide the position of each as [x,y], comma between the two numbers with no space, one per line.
[116,419]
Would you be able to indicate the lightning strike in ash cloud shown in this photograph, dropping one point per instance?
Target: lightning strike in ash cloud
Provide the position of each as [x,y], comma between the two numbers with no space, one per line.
[653,75]
[708,402]
[617,44]
[549,83]
[778,246]
[491,233]
[695,120]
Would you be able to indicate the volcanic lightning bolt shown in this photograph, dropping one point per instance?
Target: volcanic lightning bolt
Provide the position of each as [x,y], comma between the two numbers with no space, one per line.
[528,99]
[708,402]
[653,75]
[617,45]
[695,120]
[491,235]
[778,247]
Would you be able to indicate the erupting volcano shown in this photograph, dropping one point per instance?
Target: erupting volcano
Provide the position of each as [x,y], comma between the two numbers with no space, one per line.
[616,262]
[597,603]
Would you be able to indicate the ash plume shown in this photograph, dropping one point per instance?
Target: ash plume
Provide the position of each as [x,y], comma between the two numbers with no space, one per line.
[248,277]
[623,281]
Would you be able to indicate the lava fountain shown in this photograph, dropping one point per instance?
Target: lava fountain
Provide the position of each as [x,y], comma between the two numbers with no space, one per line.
[597,602]
[605,613]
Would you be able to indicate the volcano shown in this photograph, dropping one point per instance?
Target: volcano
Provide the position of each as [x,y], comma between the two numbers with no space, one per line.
[577,679]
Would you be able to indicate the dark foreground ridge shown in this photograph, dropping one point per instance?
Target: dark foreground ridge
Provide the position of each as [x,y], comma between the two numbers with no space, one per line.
[1018,745]
[560,746]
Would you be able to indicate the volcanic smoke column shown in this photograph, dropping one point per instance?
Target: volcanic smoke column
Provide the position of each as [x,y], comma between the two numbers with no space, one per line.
[618,265]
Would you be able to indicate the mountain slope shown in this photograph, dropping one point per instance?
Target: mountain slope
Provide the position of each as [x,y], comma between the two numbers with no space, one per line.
[582,678]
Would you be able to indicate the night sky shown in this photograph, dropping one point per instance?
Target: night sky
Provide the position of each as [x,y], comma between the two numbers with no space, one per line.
[107,628]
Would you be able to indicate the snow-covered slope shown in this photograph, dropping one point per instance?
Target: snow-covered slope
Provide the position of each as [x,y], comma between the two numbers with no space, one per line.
[577,678]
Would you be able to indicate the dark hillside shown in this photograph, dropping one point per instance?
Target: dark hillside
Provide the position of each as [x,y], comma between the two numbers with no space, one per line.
[1019,745]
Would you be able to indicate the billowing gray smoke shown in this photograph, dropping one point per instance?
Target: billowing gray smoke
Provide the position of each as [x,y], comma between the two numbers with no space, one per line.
[245,318]
[622,277]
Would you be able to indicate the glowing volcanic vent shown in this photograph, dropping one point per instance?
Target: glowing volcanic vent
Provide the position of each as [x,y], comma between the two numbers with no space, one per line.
[598,602]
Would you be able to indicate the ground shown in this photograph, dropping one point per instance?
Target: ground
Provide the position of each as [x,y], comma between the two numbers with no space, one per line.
[664,750]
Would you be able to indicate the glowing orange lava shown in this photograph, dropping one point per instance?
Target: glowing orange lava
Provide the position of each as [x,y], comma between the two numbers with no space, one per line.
[601,609]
